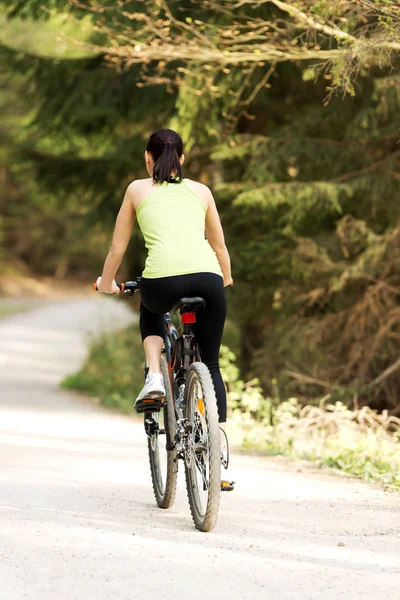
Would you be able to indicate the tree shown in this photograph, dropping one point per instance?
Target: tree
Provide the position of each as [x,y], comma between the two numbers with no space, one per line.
[72,139]
[305,178]
[313,224]
[341,39]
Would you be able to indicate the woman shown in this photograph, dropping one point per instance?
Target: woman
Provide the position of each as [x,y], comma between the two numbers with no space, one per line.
[187,256]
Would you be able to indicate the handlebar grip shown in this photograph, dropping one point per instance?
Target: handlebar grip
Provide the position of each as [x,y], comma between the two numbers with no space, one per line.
[120,285]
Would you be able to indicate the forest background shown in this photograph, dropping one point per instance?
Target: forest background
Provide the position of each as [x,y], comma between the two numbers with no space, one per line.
[288,110]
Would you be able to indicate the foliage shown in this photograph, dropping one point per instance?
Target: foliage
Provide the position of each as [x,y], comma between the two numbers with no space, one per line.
[313,229]
[338,39]
[113,371]
[43,40]
[68,150]
[8,308]
[360,442]
[306,189]
[357,442]
[353,315]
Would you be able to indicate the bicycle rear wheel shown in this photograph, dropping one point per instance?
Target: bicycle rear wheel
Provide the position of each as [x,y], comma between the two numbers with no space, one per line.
[163,465]
[203,459]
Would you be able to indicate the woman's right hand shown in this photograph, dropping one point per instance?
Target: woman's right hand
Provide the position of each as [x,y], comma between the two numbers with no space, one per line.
[228,281]
[113,289]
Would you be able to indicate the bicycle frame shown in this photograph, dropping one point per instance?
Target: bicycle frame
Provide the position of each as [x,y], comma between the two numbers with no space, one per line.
[181,351]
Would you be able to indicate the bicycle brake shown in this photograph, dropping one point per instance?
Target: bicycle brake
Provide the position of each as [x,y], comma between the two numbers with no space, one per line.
[225,451]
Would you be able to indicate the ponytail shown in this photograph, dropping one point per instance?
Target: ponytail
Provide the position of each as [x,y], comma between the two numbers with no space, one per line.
[166,148]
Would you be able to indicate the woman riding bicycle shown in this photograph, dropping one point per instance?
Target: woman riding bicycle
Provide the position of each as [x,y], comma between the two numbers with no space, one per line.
[187,256]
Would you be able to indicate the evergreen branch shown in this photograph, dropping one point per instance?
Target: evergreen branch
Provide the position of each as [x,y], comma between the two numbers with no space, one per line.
[373,167]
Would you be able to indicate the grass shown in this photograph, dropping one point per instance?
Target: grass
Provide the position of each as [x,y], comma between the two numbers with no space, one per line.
[359,442]
[113,372]
[8,308]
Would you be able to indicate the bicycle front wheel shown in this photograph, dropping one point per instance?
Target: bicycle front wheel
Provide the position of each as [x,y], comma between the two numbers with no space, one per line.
[163,465]
[203,457]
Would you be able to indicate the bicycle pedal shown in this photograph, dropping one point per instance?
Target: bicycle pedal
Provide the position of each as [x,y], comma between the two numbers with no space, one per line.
[227,486]
[149,405]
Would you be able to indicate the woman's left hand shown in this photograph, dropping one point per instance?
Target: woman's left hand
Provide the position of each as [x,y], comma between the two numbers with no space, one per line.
[114,289]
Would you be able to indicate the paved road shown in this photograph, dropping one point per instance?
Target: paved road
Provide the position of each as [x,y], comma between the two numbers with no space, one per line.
[77,518]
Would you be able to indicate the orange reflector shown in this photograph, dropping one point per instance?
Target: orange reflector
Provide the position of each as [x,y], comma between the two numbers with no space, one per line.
[151,400]
[200,404]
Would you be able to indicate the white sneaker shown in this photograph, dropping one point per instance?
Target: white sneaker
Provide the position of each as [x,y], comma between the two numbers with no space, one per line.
[153,389]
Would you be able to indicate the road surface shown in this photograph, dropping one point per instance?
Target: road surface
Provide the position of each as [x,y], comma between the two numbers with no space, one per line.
[78,520]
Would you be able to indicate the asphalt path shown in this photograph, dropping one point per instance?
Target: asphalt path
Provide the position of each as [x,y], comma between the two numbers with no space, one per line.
[77,515]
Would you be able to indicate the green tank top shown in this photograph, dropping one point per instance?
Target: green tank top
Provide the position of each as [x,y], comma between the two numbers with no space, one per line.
[172,220]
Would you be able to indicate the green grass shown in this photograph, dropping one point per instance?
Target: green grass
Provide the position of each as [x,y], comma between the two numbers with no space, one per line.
[113,372]
[362,443]
[8,308]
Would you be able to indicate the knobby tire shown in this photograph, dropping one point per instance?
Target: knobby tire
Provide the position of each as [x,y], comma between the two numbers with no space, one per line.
[164,484]
[204,518]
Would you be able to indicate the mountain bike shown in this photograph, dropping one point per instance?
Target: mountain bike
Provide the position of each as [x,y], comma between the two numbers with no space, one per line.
[184,426]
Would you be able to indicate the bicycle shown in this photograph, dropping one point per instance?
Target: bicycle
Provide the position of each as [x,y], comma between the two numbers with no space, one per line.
[188,418]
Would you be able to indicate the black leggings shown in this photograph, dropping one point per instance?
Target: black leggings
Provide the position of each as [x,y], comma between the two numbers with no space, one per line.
[159,296]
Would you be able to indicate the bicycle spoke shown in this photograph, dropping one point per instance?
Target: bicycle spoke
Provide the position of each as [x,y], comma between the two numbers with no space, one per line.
[199,445]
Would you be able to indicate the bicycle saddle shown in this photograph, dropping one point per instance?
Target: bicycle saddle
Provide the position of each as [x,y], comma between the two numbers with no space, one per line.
[189,304]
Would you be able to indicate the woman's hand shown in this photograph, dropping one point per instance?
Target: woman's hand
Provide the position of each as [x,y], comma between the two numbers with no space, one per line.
[114,289]
[228,281]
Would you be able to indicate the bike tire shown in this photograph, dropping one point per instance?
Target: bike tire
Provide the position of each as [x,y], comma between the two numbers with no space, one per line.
[164,476]
[204,513]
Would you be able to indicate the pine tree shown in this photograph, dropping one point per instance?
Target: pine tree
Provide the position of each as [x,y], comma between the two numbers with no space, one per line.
[289,111]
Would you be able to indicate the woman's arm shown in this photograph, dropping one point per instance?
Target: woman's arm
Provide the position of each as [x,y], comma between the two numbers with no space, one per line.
[120,241]
[215,237]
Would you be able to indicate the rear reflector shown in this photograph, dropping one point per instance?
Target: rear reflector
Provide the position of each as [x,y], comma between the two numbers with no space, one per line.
[188,317]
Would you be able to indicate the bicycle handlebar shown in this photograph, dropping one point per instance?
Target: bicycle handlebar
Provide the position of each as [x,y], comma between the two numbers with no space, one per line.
[129,287]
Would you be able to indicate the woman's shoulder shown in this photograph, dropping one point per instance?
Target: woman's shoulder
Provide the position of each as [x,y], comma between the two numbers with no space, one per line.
[200,189]
[139,184]
[139,189]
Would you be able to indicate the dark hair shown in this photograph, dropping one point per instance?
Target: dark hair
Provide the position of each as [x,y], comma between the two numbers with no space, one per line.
[166,148]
